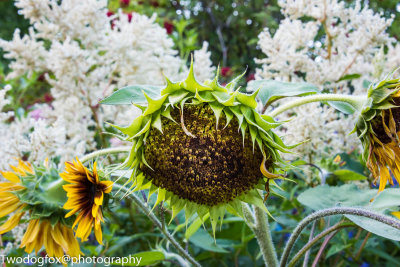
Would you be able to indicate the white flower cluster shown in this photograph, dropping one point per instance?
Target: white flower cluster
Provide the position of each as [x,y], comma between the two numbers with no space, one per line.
[351,44]
[84,55]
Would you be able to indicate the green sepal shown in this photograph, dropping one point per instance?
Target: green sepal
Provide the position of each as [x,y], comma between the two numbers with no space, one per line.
[204,96]
[216,214]
[177,205]
[171,87]
[224,98]
[176,97]
[217,109]
[144,129]
[228,115]
[133,128]
[191,85]
[156,121]
[248,100]
[154,104]
[231,85]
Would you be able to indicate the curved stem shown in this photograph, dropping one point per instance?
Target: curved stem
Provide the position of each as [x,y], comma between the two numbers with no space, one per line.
[334,211]
[157,222]
[356,101]
[316,239]
[112,150]
[264,238]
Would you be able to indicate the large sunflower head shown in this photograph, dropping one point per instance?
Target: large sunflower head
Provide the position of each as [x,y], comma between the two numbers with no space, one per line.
[85,194]
[203,148]
[378,128]
[33,191]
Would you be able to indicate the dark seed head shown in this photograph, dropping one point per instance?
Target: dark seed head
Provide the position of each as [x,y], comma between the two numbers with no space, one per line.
[212,168]
[377,125]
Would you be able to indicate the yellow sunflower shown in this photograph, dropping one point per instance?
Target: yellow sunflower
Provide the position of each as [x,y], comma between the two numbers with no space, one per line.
[9,202]
[378,128]
[56,238]
[85,194]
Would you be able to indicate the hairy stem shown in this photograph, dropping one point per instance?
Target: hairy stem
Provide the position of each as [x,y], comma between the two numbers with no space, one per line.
[264,238]
[157,222]
[307,255]
[112,150]
[334,211]
[356,101]
[314,240]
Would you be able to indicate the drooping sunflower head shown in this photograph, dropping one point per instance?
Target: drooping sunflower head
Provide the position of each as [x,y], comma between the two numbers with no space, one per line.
[33,191]
[378,128]
[203,147]
[85,194]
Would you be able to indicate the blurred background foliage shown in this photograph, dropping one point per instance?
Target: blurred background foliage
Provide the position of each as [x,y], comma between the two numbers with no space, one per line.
[231,28]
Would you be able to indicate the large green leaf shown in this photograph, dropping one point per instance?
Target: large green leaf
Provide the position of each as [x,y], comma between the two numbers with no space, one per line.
[271,90]
[348,175]
[132,95]
[350,195]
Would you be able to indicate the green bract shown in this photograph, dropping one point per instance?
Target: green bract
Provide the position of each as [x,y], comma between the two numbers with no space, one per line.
[202,147]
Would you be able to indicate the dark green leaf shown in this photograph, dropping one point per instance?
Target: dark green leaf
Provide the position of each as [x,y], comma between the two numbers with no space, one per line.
[203,240]
[132,95]
[349,77]
[271,90]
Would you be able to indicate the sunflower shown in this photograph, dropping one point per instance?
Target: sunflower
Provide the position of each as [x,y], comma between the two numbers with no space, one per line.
[203,148]
[56,239]
[378,128]
[45,227]
[85,194]
[9,202]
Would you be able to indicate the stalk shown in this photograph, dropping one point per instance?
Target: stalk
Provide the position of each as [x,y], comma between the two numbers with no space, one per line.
[157,222]
[106,151]
[356,101]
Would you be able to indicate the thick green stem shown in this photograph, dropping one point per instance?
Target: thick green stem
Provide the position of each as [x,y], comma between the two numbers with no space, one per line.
[264,238]
[334,211]
[157,222]
[356,101]
[106,151]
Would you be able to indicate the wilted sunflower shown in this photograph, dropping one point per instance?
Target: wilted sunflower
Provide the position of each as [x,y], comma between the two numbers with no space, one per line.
[85,194]
[378,128]
[204,148]
[46,227]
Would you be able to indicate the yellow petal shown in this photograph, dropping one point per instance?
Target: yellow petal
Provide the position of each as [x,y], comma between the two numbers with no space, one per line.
[11,223]
[265,172]
[98,199]
[98,233]
[108,186]
[31,231]
[12,177]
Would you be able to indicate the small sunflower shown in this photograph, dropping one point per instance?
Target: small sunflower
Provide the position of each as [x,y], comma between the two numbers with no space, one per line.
[85,194]
[204,148]
[378,128]
[46,227]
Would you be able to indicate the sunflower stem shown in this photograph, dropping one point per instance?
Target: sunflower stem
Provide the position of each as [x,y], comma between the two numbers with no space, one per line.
[314,240]
[356,101]
[264,238]
[157,222]
[106,151]
[334,211]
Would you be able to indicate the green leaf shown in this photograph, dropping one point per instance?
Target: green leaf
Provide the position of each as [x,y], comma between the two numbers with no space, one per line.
[132,95]
[344,107]
[204,240]
[376,227]
[349,195]
[140,259]
[324,196]
[271,90]
[349,77]
[348,175]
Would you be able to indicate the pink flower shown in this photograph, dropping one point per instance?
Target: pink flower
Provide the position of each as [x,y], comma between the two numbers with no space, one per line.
[36,114]
[109,13]
[250,77]
[129,17]
[226,71]
[124,3]
[168,26]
